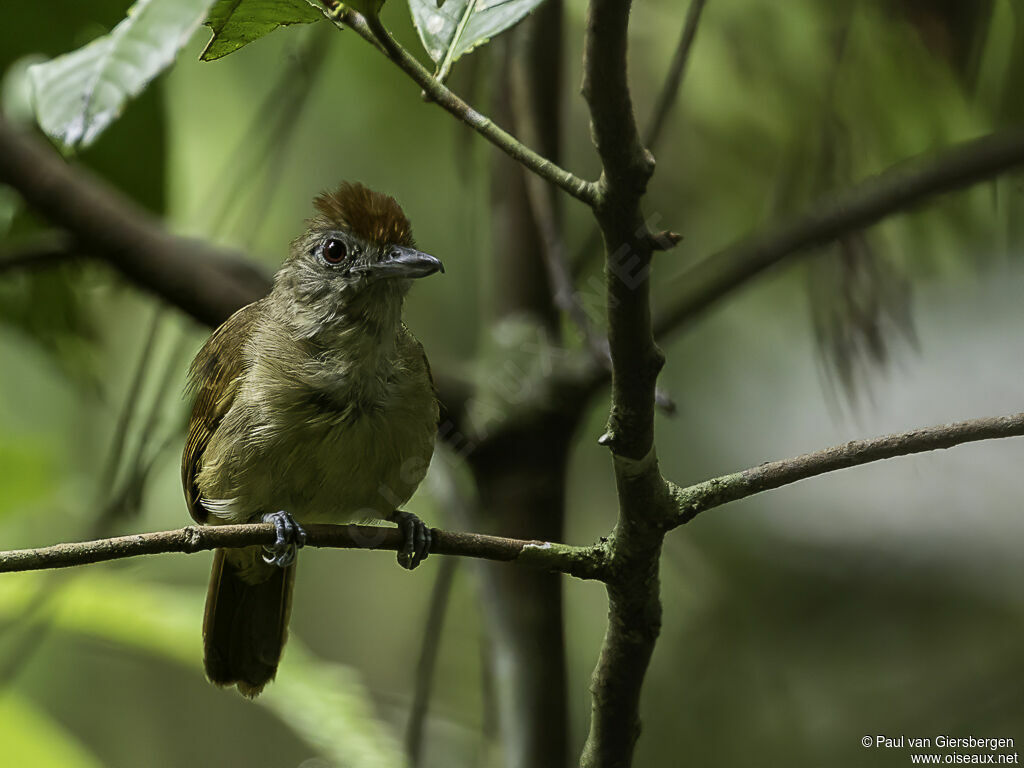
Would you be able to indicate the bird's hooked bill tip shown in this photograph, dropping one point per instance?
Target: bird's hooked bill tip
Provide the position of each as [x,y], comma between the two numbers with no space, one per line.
[404,262]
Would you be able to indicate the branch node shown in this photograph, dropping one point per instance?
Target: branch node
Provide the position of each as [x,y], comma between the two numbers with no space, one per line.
[193,539]
[665,240]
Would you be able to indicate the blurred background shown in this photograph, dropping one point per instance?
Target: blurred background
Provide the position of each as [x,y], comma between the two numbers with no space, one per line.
[884,599]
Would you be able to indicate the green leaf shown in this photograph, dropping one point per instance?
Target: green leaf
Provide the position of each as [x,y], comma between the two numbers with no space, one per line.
[236,23]
[79,94]
[459,26]
[324,703]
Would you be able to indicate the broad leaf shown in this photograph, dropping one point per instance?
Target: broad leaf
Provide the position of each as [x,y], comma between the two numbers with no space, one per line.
[79,94]
[459,26]
[236,23]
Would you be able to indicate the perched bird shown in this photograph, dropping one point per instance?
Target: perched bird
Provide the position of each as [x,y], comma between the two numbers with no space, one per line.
[313,404]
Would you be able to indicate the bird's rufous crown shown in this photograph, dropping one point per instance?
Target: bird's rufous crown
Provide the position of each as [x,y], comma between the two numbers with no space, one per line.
[374,218]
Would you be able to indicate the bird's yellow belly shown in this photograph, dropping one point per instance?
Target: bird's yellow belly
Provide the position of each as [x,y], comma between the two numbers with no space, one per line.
[324,469]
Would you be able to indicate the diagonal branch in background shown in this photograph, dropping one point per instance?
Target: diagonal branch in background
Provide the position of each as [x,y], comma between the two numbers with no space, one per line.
[373,31]
[765,477]
[206,282]
[895,190]
[899,188]
[669,93]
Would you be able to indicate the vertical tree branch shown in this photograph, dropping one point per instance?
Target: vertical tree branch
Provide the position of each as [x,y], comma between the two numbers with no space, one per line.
[627,166]
[645,505]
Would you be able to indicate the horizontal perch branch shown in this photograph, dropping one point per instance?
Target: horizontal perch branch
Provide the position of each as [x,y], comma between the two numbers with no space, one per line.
[582,562]
[721,490]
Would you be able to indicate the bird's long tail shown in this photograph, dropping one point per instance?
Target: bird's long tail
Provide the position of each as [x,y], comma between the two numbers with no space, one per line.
[246,623]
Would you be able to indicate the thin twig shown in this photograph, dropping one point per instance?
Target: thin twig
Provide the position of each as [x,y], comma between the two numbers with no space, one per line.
[554,253]
[583,562]
[371,29]
[428,660]
[127,500]
[669,93]
[43,251]
[127,412]
[564,293]
[721,490]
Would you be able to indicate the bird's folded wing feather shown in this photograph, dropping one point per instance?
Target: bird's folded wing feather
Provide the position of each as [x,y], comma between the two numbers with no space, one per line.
[214,378]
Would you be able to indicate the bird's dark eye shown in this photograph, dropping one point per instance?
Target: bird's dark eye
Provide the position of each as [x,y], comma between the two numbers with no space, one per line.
[334,252]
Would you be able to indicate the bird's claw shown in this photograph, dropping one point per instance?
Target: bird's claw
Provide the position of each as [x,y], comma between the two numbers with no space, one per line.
[290,538]
[415,539]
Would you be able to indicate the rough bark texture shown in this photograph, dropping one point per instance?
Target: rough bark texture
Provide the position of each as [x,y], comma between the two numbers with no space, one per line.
[634,616]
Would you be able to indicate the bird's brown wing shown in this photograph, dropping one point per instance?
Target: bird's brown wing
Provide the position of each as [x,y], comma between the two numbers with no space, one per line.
[214,378]
[423,354]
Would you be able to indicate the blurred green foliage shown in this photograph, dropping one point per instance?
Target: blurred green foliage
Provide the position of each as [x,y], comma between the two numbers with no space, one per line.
[883,600]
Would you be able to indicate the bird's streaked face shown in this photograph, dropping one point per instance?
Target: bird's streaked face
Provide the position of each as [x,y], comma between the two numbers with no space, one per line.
[341,255]
[357,255]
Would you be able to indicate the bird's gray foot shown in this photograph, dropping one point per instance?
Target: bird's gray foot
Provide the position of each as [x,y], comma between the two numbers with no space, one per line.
[415,539]
[290,537]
